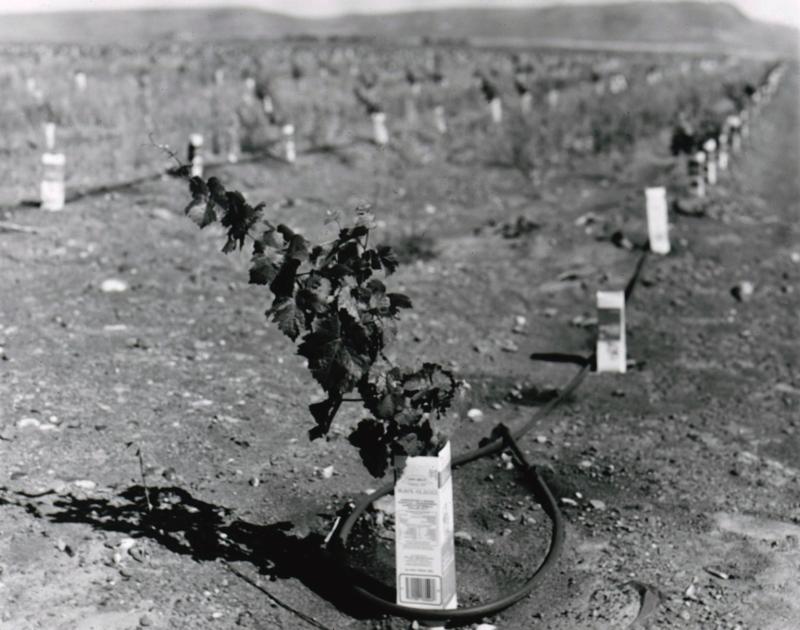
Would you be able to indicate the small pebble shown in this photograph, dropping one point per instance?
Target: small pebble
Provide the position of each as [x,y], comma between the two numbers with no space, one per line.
[476,415]
[384,504]
[508,346]
[743,291]
[146,620]
[324,473]
[113,285]
[162,213]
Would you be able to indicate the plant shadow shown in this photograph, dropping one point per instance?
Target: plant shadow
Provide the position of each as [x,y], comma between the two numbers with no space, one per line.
[206,532]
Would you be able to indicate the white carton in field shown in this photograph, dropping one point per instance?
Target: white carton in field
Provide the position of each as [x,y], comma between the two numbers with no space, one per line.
[268,105]
[710,148]
[496,110]
[611,350]
[290,152]
[439,119]
[52,190]
[424,543]
[195,154]
[379,130]
[657,222]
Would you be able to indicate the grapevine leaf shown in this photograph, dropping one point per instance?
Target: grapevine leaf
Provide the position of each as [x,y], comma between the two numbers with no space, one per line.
[289,318]
[371,257]
[418,441]
[263,269]
[348,253]
[283,284]
[286,232]
[431,388]
[377,296]
[269,239]
[200,197]
[387,406]
[387,258]
[239,216]
[298,248]
[316,252]
[209,216]
[407,417]
[358,231]
[334,363]
[314,295]
[357,336]
[323,412]
[410,445]
[235,203]
[346,302]
[398,301]
[217,192]
[376,287]
[336,272]
[372,442]
[199,192]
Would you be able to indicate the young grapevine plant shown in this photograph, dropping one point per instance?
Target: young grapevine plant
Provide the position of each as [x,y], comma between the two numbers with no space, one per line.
[329,299]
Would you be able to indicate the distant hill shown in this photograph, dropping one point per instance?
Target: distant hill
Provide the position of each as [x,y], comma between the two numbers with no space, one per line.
[143,26]
[660,24]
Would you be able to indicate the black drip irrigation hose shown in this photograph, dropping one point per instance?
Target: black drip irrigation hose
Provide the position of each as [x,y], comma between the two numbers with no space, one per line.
[501,438]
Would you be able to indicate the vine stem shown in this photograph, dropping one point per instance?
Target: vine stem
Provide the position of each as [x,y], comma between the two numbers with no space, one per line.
[144,479]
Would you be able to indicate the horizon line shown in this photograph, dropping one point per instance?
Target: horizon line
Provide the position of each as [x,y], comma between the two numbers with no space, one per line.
[258,5]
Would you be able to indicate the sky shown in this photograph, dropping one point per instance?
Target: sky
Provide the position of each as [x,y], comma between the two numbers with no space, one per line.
[785,11]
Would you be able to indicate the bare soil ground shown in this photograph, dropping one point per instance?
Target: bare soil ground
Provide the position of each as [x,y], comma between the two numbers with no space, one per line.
[690,458]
